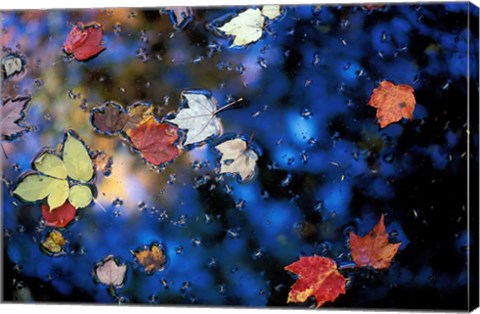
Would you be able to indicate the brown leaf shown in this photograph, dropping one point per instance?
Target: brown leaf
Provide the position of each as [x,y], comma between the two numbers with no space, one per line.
[153,259]
[373,250]
[392,102]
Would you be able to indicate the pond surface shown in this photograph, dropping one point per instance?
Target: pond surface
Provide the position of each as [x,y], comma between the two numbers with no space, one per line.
[310,165]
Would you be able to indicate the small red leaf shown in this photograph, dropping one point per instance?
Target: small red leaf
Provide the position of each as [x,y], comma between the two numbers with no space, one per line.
[155,141]
[84,41]
[318,277]
[373,249]
[110,119]
[60,217]
[392,102]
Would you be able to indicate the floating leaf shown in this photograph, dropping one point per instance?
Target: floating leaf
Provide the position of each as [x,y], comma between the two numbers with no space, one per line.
[153,259]
[318,277]
[373,250]
[271,11]
[237,158]
[51,180]
[392,102]
[199,119]
[84,41]
[60,217]
[54,243]
[109,119]
[77,160]
[110,272]
[80,196]
[12,64]
[155,141]
[246,27]
[12,113]
[137,114]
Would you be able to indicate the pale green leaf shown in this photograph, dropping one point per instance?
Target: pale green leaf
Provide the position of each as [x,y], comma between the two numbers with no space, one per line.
[80,196]
[77,160]
[51,165]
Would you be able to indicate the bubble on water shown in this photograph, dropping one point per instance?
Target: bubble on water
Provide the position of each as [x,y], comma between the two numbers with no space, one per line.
[240,204]
[117,213]
[185,286]
[304,156]
[21,229]
[164,283]
[222,289]
[286,181]
[132,15]
[16,167]
[212,262]
[262,63]
[142,54]
[117,202]
[141,205]
[388,157]
[171,179]
[233,233]
[257,254]
[196,242]
[240,68]
[37,83]
[227,189]
[306,113]
[117,28]
[179,250]
[318,206]
[72,95]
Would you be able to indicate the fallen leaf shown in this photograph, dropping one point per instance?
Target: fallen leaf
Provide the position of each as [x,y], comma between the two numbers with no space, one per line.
[372,6]
[12,114]
[12,64]
[318,277]
[59,218]
[51,182]
[103,162]
[153,259]
[199,119]
[155,141]
[110,272]
[109,119]
[84,41]
[237,158]
[54,243]
[392,102]
[137,114]
[373,250]
[271,11]
[246,27]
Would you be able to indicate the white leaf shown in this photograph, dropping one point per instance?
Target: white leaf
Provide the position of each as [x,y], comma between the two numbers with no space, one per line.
[237,158]
[271,11]
[199,118]
[247,27]
[12,65]
[109,273]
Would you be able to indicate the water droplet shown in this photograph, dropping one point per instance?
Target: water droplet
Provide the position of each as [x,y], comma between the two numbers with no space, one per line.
[306,113]
[286,181]
[117,28]
[240,204]
[179,250]
[196,242]
[117,202]
[262,63]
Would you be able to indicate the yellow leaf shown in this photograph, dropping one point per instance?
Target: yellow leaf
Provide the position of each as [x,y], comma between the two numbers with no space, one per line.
[36,187]
[58,194]
[78,161]
[247,27]
[54,242]
[51,165]
[80,196]
[271,11]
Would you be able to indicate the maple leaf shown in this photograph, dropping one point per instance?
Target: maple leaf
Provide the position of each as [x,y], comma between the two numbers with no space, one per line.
[59,218]
[199,119]
[153,259]
[318,277]
[392,102]
[12,113]
[54,243]
[155,141]
[237,158]
[110,272]
[84,41]
[109,119]
[373,250]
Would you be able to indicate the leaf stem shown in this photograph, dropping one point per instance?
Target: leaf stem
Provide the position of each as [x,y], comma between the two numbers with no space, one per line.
[251,139]
[228,105]
[4,152]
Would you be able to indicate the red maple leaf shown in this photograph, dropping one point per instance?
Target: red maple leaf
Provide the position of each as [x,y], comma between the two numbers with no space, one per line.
[392,102]
[84,41]
[318,277]
[60,217]
[373,249]
[155,141]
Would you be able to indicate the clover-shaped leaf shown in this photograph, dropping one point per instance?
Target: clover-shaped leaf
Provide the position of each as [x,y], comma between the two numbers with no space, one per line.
[54,176]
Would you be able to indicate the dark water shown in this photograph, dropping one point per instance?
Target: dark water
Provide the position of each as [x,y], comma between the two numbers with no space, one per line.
[326,168]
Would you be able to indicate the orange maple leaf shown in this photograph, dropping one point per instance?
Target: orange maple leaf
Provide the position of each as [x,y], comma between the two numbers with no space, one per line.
[152,259]
[318,276]
[392,102]
[373,249]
